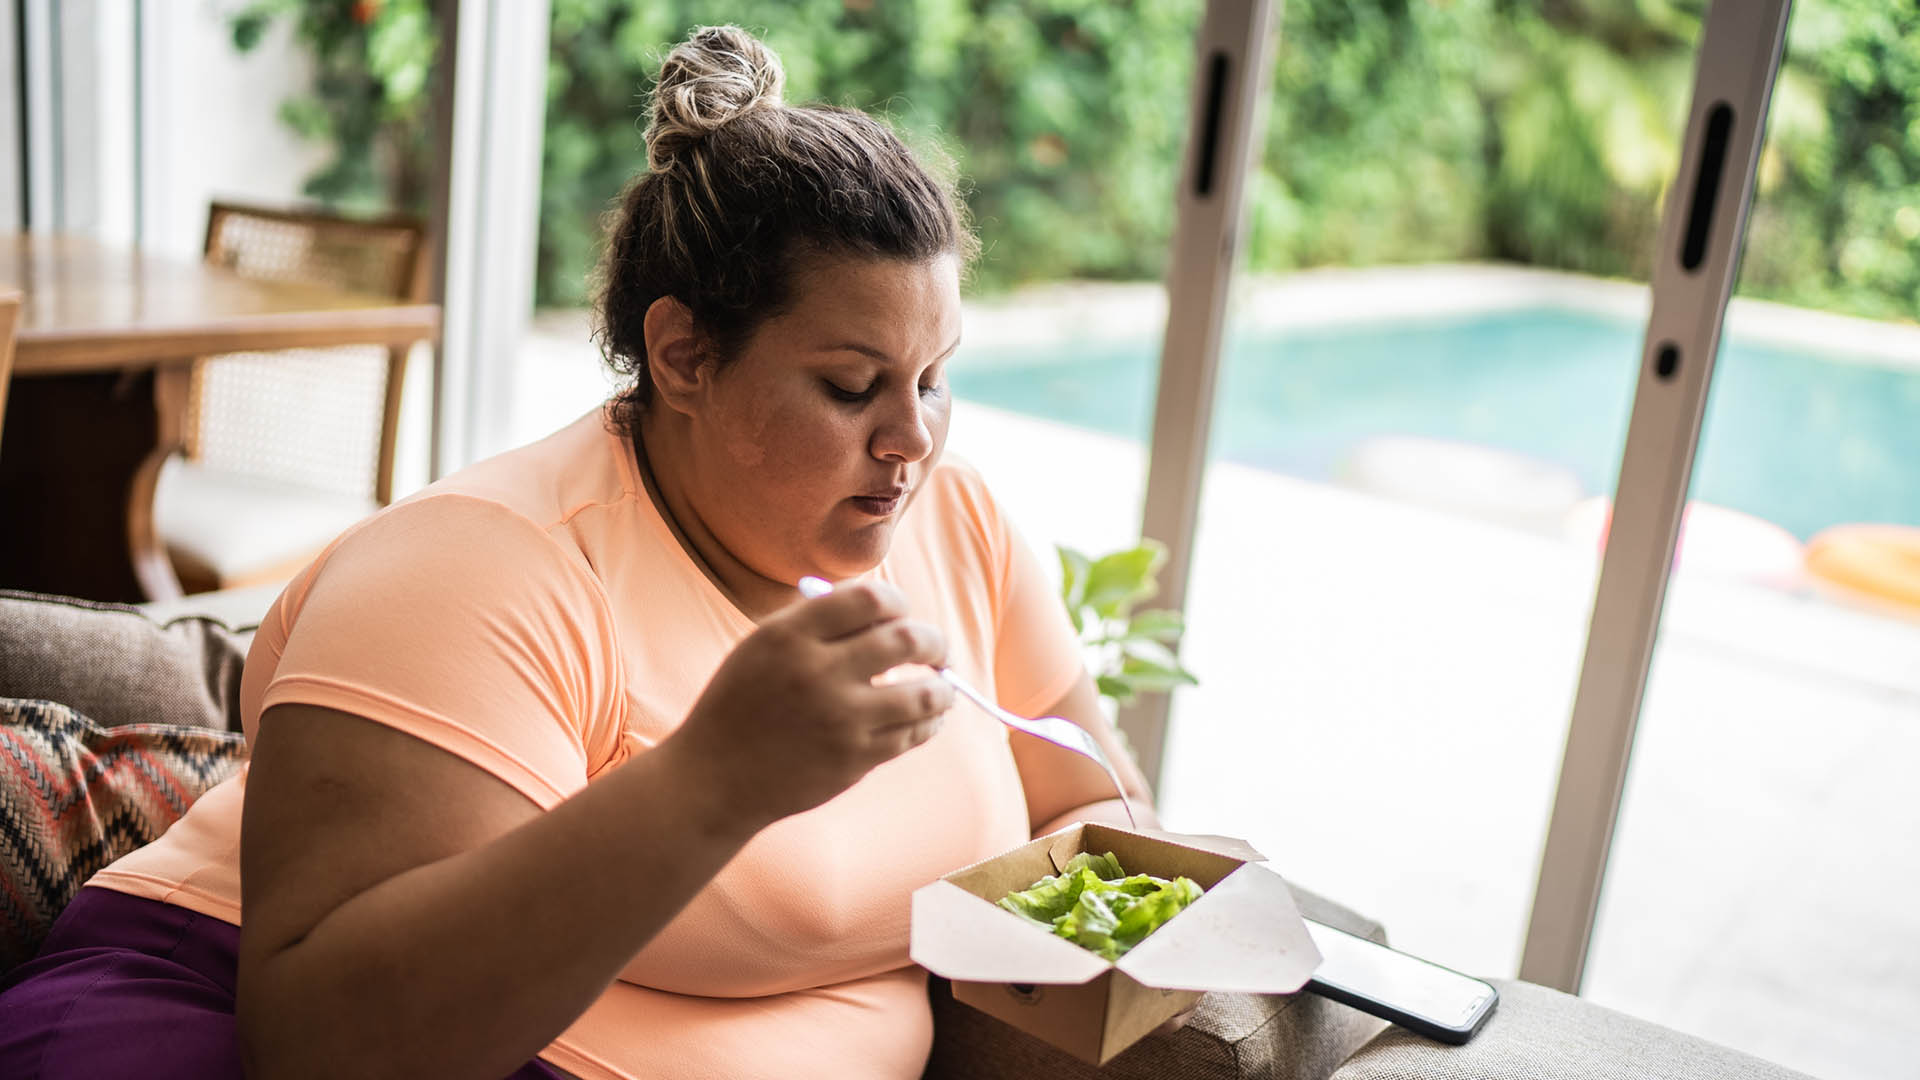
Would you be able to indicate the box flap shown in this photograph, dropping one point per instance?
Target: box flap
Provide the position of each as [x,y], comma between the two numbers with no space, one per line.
[1141,852]
[1244,935]
[1098,838]
[957,936]
[991,879]
[1218,845]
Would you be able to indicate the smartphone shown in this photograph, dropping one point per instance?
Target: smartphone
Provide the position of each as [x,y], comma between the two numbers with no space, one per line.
[1417,994]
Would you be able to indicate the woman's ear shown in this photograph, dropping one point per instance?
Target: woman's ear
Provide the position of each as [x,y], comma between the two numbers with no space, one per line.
[676,355]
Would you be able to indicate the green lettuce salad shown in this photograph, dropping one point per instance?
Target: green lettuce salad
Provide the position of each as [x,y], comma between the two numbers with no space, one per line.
[1095,905]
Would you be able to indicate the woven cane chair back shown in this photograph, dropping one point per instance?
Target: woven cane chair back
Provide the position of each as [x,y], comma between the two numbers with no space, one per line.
[315,418]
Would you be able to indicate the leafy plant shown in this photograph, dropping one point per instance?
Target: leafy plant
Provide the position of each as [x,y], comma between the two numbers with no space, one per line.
[369,99]
[1130,652]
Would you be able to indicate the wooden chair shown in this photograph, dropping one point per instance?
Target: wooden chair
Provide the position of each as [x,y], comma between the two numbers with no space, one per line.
[9,319]
[284,450]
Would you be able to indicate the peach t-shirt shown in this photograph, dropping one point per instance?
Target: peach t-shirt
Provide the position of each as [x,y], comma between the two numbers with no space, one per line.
[534,615]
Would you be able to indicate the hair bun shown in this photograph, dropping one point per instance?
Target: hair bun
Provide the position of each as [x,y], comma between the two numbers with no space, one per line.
[718,73]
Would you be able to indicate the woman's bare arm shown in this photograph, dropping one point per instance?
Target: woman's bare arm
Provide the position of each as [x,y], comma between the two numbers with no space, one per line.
[408,914]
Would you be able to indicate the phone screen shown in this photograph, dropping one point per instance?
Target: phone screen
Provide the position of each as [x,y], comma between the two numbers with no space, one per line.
[1406,983]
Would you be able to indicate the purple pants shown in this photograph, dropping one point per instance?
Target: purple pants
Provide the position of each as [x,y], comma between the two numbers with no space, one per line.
[126,986]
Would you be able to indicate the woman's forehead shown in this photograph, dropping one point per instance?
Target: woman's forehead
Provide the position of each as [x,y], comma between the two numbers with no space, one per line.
[879,302]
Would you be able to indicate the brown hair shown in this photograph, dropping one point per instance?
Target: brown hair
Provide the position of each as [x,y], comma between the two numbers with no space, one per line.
[740,188]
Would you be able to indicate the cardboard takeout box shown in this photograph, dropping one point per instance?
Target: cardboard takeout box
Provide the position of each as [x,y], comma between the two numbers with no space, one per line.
[1244,934]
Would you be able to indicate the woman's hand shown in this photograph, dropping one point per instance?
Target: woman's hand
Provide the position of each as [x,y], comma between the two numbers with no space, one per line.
[792,717]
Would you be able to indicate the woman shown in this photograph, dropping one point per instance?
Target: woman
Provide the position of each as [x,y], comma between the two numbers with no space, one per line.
[549,761]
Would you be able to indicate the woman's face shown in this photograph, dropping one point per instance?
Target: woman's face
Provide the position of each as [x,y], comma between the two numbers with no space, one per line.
[811,443]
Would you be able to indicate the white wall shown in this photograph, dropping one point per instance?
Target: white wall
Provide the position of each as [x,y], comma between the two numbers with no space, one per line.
[11,214]
[106,42]
[75,119]
[212,118]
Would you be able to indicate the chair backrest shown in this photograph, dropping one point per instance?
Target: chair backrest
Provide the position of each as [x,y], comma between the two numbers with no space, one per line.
[383,256]
[306,416]
[9,321]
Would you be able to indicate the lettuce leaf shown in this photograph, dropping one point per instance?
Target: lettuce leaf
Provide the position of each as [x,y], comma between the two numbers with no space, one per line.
[1105,867]
[1050,897]
[1148,912]
[1094,904]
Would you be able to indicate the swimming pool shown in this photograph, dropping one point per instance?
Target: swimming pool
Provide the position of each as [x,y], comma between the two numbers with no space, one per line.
[1800,438]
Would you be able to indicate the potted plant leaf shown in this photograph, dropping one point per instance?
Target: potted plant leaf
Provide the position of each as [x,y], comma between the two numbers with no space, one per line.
[1129,652]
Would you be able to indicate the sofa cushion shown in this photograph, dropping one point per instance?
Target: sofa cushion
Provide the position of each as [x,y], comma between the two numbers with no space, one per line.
[115,666]
[242,609]
[1229,1036]
[74,796]
[1540,1034]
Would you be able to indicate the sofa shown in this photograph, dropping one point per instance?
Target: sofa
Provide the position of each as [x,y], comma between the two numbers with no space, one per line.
[113,718]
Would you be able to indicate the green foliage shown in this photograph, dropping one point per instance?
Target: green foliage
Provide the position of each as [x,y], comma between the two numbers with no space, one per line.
[1838,221]
[1374,144]
[1131,651]
[1548,133]
[369,99]
[1399,130]
[1064,116]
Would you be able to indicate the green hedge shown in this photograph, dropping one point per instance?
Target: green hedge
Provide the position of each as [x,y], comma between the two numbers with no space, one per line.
[1399,130]
[1063,115]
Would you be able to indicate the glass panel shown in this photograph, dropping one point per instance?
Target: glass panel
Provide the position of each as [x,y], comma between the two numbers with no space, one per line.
[1056,388]
[1411,463]
[1064,122]
[1762,887]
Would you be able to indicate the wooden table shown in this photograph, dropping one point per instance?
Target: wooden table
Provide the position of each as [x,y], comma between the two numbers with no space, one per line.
[105,343]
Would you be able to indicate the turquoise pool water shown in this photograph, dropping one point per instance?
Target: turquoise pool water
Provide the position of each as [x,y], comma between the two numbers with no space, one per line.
[1799,438]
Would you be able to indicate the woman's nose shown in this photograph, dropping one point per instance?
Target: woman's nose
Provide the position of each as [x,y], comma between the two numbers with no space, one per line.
[906,433]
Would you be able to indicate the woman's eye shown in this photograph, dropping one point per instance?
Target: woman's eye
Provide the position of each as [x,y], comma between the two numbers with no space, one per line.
[933,390]
[841,393]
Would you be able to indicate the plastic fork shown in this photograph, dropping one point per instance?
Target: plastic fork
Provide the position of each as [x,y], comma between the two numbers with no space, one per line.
[1054,729]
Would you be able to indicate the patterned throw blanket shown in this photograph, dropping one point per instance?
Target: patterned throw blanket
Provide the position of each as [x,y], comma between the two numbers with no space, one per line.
[75,796]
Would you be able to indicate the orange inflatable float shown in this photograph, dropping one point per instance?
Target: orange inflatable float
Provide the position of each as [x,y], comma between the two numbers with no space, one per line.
[1882,561]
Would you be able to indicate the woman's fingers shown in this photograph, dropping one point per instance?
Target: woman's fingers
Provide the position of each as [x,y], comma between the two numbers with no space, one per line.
[889,644]
[794,712]
[848,609]
[867,620]
[909,703]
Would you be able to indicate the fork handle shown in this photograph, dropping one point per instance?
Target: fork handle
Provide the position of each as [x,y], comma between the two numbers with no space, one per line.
[967,691]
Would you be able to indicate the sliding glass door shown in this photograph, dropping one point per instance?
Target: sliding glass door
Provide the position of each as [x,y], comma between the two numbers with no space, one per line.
[1411,465]
[1760,890]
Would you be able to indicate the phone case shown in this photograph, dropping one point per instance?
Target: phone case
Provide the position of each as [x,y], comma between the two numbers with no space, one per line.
[1419,1025]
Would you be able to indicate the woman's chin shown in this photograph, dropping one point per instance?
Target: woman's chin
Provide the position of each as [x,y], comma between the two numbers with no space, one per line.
[855,553]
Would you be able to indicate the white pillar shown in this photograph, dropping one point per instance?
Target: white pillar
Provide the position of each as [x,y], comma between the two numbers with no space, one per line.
[1232,63]
[13,210]
[486,211]
[1694,266]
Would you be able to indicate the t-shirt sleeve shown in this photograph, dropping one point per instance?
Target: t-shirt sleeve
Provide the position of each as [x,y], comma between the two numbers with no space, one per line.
[461,622]
[1036,653]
